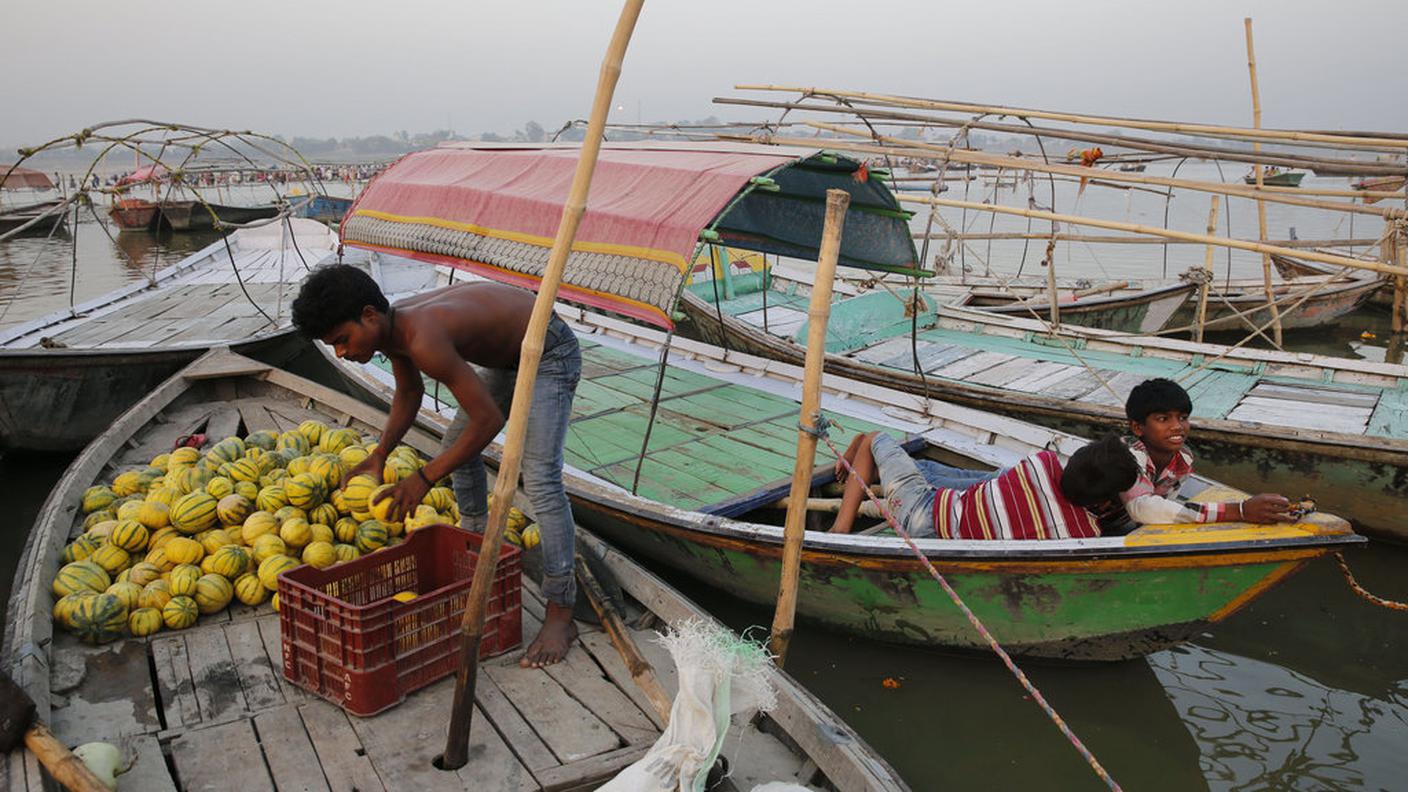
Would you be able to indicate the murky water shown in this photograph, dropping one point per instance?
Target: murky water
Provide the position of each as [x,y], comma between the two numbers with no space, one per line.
[1306,689]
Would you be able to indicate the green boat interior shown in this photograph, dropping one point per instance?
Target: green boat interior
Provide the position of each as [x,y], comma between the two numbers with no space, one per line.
[873,329]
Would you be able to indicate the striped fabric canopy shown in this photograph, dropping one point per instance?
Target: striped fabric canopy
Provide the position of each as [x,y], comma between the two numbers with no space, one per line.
[494,211]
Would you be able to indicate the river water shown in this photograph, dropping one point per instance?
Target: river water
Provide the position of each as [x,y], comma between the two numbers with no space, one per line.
[1305,689]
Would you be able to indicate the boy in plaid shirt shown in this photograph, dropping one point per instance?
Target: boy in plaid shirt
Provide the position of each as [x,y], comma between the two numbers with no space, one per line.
[1158,411]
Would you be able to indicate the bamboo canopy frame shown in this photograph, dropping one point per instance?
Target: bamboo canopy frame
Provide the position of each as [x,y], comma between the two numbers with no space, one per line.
[794,529]
[457,738]
[1260,202]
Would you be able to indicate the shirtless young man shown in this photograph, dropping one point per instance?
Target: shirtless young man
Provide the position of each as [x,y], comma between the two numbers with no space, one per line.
[440,334]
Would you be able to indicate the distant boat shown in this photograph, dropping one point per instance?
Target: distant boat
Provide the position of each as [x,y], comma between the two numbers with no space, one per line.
[1275,177]
[1137,167]
[14,217]
[1381,297]
[194,215]
[323,208]
[133,214]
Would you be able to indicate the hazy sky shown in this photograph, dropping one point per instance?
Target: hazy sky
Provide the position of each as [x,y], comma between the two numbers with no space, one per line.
[360,68]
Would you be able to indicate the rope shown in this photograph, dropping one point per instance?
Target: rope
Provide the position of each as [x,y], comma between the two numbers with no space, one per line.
[1365,593]
[973,620]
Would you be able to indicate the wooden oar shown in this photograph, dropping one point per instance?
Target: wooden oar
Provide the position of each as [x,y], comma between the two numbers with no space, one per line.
[462,710]
[795,527]
[18,724]
[641,670]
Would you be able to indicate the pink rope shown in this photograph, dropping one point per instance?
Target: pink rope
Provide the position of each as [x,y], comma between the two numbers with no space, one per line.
[977,624]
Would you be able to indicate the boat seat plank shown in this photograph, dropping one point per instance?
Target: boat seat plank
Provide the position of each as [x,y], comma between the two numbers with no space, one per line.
[765,456]
[403,741]
[1115,391]
[591,398]
[1218,392]
[110,697]
[1390,418]
[173,675]
[1301,415]
[160,435]
[220,757]
[730,405]
[519,736]
[584,680]
[1002,375]
[732,474]
[569,729]
[1323,395]
[1078,385]
[217,682]
[256,673]
[1043,378]
[627,429]
[148,771]
[345,764]
[256,418]
[971,365]
[891,349]
[665,484]
[224,422]
[292,760]
[640,383]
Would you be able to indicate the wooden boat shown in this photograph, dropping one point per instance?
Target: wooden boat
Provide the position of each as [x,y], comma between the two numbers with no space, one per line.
[207,708]
[13,217]
[133,214]
[721,455]
[1238,305]
[66,375]
[1275,177]
[1294,423]
[196,216]
[323,208]
[1288,267]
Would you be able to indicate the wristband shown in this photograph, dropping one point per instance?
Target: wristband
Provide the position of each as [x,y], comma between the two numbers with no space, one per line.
[421,472]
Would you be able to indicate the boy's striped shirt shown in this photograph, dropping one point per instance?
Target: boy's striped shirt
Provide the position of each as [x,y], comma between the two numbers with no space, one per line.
[1152,499]
[1025,502]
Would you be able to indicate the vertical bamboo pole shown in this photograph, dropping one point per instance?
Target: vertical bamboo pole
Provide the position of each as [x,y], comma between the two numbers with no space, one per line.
[1051,293]
[795,527]
[1261,205]
[462,710]
[1206,285]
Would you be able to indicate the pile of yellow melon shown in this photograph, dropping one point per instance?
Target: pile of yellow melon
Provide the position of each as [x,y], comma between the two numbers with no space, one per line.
[193,532]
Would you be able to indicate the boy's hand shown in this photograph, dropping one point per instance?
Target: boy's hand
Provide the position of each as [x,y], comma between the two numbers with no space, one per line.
[372,466]
[1266,508]
[405,497]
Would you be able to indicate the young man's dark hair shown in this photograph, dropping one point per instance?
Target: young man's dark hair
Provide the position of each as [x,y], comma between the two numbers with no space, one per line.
[1155,396]
[1099,471]
[333,294]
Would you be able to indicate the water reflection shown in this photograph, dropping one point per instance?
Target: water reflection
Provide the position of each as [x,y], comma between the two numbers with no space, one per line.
[1261,726]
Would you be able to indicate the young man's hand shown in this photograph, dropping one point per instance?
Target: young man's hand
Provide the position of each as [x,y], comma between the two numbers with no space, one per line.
[405,497]
[1266,508]
[372,466]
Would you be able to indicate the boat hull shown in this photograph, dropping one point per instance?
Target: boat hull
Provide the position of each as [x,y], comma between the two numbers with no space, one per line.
[52,400]
[1366,484]
[1142,313]
[1320,309]
[194,216]
[133,214]
[1085,610]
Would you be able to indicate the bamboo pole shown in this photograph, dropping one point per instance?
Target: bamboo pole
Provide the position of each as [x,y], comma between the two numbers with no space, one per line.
[1260,203]
[1210,130]
[1167,233]
[1206,285]
[1145,145]
[1089,239]
[640,669]
[462,710]
[914,148]
[795,526]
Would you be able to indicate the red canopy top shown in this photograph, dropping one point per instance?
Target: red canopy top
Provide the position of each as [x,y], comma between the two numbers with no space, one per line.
[20,178]
[494,210]
[147,173]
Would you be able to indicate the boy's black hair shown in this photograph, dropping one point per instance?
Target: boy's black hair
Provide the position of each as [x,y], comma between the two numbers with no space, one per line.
[1156,395]
[1098,472]
[333,294]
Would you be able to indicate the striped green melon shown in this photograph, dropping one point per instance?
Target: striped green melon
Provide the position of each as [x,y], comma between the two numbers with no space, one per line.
[213,593]
[97,498]
[324,513]
[130,535]
[227,450]
[245,470]
[358,490]
[258,524]
[181,612]
[249,590]
[233,509]
[219,486]
[144,621]
[272,567]
[345,529]
[155,594]
[247,490]
[230,561]
[346,552]
[66,605]
[263,439]
[183,580]
[143,573]
[184,457]
[129,509]
[268,546]
[305,490]
[79,548]
[154,514]
[313,430]
[352,456]
[293,441]
[111,558]
[126,483]
[296,532]
[320,555]
[99,619]
[128,592]
[371,535]
[336,441]
[184,550]
[194,513]
[271,498]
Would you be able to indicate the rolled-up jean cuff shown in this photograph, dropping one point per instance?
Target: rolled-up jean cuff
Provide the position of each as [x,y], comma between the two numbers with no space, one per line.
[560,589]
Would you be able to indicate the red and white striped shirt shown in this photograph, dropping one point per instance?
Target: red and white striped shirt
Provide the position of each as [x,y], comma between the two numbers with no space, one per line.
[1025,502]
[1151,500]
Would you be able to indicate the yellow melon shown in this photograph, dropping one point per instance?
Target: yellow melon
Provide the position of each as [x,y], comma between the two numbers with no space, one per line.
[180,612]
[319,554]
[249,590]
[142,622]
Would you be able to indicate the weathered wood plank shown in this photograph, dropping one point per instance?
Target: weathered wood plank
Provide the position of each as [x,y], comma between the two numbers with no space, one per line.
[173,676]
[256,417]
[569,729]
[107,691]
[148,771]
[1306,393]
[591,772]
[580,676]
[344,760]
[274,650]
[221,757]
[971,365]
[1301,415]
[257,675]
[217,683]
[526,744]
[294,764]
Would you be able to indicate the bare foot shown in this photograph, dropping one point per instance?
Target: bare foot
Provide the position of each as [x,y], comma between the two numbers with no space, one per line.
[553,640]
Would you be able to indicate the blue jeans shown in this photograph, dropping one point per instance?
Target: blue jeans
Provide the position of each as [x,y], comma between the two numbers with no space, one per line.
[948,477]
[558,372]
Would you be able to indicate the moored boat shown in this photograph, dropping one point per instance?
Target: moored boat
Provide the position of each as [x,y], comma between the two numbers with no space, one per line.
[182,705]
[133,214]
[193,215]
[1275,177]
[1288,267]
[320,207]
[40,217]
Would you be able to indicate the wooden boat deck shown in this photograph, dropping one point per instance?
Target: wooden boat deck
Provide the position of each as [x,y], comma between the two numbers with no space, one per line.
[207,708]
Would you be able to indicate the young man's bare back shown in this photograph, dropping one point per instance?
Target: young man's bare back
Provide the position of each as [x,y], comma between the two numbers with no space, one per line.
[440,334]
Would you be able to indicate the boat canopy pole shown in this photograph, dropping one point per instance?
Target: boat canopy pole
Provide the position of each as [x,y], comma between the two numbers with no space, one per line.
[456,753]
[654,406]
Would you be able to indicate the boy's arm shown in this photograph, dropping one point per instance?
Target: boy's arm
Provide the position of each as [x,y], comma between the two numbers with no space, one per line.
[1146,508]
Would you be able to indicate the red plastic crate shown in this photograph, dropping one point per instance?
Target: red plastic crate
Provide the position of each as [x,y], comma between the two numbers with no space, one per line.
[346,639]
